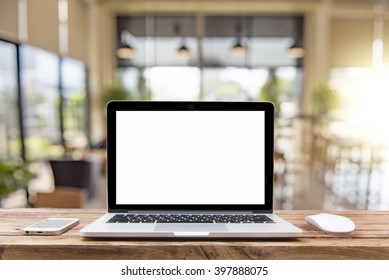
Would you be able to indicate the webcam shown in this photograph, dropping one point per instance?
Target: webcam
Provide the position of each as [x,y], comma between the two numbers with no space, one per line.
[190,106]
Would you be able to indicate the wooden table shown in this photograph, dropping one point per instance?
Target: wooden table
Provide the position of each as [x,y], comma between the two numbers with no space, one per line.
[370,240]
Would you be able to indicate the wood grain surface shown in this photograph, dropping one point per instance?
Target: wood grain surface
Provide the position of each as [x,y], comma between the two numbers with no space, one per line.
[370,240]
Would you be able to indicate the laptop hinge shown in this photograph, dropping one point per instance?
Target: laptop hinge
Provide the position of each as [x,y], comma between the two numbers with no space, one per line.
[262,212]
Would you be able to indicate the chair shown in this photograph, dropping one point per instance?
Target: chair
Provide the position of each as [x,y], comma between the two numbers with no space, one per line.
[84,174]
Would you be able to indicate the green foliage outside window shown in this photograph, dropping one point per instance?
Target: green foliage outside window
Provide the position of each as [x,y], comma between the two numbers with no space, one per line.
[14,175]
[116,92]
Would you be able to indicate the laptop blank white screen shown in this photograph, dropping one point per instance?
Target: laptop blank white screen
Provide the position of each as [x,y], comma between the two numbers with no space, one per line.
[190,157]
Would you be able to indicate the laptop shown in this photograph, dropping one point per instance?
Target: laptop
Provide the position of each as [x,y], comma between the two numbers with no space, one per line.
[190,170]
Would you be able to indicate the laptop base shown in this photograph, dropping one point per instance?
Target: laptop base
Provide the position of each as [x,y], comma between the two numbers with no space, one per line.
[101,229]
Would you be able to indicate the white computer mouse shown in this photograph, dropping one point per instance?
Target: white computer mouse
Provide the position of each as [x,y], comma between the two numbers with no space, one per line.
[331,223]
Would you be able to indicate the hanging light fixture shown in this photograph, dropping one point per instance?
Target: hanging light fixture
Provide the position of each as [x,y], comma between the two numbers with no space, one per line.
[238,49]
[296,50]
[125,50]
[182,51]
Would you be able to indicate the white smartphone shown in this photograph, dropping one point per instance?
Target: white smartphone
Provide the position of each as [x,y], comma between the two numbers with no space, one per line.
[51,226]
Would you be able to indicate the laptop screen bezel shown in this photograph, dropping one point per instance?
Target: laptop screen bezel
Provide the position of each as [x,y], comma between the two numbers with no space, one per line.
[115,106]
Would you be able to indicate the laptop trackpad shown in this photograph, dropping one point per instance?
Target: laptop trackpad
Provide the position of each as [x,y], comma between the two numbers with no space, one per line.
[205,228]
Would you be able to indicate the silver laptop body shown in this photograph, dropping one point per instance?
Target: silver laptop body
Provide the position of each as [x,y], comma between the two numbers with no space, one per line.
[180,169]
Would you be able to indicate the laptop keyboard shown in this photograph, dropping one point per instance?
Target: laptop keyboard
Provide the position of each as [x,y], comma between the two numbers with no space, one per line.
[189,218]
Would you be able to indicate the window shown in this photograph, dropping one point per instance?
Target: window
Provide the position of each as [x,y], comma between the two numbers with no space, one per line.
[74,103]
[9,125]
[157,70]
[362,104]
[53,103]
[209,69]
[41,101]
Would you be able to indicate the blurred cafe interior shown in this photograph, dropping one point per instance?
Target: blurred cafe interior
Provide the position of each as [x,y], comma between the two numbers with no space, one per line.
[323,63]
